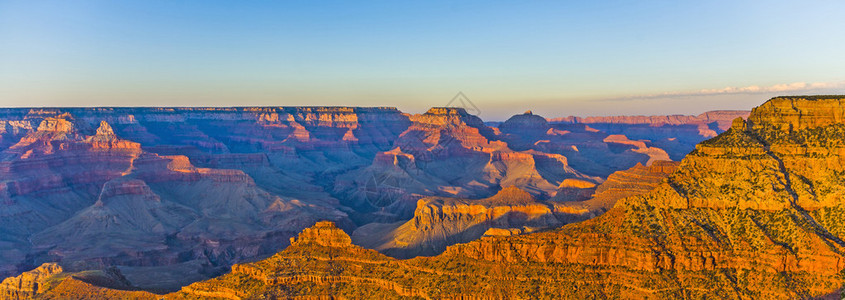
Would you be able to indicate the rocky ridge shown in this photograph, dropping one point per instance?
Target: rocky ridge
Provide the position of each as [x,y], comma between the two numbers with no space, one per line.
[49,281]
[721,117]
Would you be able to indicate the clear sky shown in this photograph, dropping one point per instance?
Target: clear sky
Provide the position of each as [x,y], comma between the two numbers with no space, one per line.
[557,58]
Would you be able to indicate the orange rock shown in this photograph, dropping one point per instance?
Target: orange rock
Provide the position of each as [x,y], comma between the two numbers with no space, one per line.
[28,284]
[323,233]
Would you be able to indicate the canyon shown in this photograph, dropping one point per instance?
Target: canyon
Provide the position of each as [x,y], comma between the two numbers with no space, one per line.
[755,212]
[158,198]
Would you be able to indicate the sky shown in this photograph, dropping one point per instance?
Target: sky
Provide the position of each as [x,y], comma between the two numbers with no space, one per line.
[557,58]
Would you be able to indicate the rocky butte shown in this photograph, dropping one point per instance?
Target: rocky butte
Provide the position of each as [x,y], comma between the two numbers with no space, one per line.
[753,213]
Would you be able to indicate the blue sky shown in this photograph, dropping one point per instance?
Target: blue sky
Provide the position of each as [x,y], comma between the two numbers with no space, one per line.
[556,58]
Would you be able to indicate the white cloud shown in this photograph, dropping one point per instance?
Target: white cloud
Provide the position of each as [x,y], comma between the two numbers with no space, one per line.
[795,87]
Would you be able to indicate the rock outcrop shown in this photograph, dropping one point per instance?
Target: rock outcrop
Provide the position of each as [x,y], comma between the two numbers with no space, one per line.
[637,180]
[323,233]
[439,222]
[344,271]
[48,281]
[28,284]
[523,130]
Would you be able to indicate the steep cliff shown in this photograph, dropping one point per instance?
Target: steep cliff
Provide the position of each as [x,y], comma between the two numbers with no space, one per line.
[28,284]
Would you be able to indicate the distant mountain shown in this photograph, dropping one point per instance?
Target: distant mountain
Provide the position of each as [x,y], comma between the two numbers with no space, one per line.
[676,134]
[722,118]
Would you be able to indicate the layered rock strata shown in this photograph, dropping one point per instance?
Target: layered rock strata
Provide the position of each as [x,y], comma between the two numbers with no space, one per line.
[439,222]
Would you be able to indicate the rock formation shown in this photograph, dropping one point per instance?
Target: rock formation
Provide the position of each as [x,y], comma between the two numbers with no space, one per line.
[175,195]
[28,284]
[448,152]
[48,281]
[341,270]
[439,222]
[590,151]
[323,233]
[676,134]
[637,180]
[752,213]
